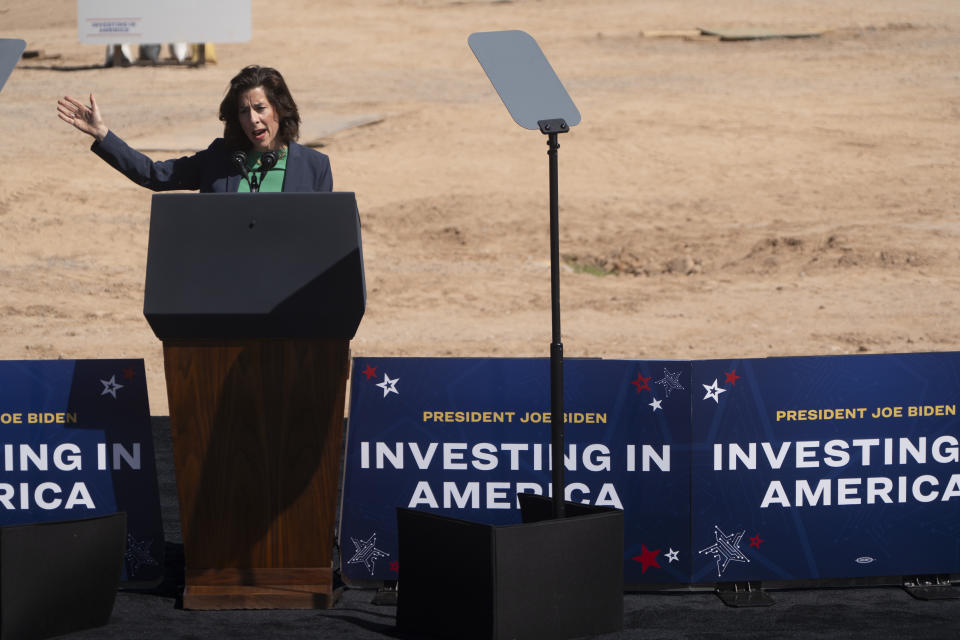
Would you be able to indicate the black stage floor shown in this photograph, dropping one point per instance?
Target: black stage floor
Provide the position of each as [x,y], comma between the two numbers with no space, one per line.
[836,613]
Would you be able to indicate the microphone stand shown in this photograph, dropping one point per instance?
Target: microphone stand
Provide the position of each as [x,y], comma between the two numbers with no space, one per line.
[267,161]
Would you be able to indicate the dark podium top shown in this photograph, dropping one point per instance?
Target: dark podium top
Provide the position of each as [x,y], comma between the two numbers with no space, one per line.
[259,265]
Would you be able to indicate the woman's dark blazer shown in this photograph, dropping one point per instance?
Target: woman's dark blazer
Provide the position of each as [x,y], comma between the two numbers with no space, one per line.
[210,170]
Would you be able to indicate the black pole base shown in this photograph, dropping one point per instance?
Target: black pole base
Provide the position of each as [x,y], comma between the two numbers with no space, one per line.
[546,578]
[931,587]
[743,594]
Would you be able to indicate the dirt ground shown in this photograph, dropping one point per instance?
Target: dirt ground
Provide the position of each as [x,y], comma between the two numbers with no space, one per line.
[719,199]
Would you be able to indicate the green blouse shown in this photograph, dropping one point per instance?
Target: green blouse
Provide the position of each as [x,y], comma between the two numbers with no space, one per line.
[272,182]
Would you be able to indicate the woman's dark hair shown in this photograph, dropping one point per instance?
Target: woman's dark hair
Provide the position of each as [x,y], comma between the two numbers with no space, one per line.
[278,95]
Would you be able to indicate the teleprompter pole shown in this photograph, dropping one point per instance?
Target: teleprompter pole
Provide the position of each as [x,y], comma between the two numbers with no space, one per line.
[551,128]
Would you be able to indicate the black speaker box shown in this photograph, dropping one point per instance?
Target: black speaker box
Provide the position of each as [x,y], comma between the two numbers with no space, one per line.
[545,578]
[58,577]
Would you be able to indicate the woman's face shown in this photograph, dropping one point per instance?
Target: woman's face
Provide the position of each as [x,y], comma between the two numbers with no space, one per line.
[259,120]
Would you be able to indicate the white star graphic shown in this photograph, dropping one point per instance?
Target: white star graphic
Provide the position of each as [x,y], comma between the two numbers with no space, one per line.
[673,556]
[726,549]
[713,391]
[388,385]
[138,554]
[656,404]
[110,386]
[366,552]
[670,381]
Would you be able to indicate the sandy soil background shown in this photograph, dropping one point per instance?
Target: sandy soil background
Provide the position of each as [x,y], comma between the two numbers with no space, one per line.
[719,199]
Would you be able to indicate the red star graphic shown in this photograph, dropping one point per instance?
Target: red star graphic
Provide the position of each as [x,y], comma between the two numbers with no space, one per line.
[641,383]
[647,558]
[129,374]
[370,372]
[395,566]
[755,541]
[732,377]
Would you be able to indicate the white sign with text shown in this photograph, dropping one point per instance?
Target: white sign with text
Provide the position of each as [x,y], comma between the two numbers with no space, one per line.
[148,21]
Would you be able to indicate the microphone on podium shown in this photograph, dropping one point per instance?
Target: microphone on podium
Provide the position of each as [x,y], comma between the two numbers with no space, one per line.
[267,161]
[239,160]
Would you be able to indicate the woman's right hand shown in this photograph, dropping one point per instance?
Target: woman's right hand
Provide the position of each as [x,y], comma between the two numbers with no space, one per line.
[83,117]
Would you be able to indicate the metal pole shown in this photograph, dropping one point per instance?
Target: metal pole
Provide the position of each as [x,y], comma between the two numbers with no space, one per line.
[556,346]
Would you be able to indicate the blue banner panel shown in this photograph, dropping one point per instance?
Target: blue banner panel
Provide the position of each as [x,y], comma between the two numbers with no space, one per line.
[75,442]
[825,467]
[462,437]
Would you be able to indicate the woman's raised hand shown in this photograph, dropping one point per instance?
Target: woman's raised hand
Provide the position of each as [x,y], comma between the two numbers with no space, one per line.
[83,117]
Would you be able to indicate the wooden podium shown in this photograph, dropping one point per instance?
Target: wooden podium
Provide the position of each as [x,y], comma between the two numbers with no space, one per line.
[255,297]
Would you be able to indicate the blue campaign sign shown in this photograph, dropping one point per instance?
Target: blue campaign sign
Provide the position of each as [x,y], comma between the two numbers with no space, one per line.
[825,467]
[75,442]
[462,436]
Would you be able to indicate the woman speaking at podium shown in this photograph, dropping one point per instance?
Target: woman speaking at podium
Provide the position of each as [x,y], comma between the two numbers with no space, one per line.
[258,150]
